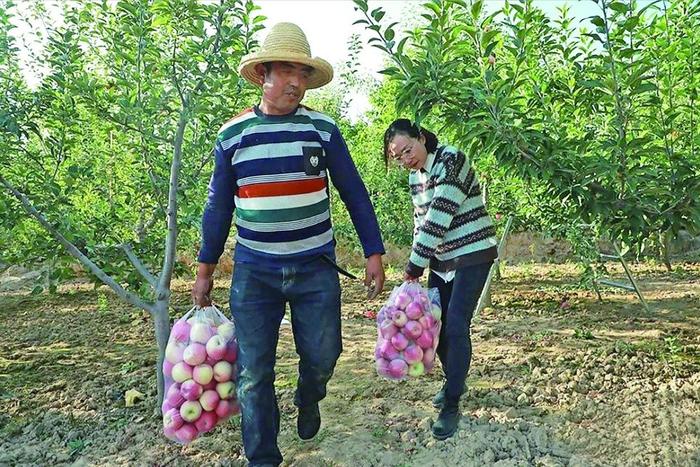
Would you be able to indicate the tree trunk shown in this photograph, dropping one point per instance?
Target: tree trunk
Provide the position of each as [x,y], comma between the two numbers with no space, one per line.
[161,321]
[666,249]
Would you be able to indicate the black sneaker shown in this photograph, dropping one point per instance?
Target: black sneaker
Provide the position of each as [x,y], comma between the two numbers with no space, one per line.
[308,421]
[447,423]
[439,399]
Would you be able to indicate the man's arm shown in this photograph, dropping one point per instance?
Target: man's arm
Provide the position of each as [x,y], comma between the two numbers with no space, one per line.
[216,225]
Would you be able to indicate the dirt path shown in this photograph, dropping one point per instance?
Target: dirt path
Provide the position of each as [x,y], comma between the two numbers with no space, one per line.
[557,379]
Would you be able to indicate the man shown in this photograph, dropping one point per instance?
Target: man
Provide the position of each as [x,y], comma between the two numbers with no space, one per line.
[272,164]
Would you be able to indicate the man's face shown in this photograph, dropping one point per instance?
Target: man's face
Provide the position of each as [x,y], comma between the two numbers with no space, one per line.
[283,86]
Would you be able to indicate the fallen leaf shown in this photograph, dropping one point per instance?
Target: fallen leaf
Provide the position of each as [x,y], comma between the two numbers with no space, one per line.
[131,396]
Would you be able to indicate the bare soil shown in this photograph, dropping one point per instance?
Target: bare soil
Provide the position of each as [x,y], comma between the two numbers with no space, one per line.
[558,378]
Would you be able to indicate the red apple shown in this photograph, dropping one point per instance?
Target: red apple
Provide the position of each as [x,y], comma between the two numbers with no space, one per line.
[206,422]
[216,347]
[194,354]
[223,371]
[172,419]
[186,433]
[181,331]
[190,390]
[209,400]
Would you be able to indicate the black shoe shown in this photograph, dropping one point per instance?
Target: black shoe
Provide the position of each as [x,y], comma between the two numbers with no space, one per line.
[308,421]
[447,422]
[439,399]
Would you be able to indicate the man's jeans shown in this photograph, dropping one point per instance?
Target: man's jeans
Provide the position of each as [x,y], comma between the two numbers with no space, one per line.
[258,298]
[458,299]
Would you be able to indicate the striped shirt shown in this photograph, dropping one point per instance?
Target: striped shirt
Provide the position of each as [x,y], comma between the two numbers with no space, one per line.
[272,171]
[452,227]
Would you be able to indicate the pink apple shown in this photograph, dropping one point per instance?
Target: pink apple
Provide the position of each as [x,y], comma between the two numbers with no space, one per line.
[412,329]
[206,422]
[223,371]
[216,347]
[173,396]
[203,374]
[231,351]
[172,419]
[388,350]
[165,406]
[226,390]
[414,310]
[425,340]
[210,361]
[182,372]
[190,390]
[427,321]
[186,433]
[194,354]
[226,331]
[181,331]
[424,300]
[402,300]
[399,342]
[398,369]
[388,329]
[190,410]
[209,400]
[399,318]
[428,358]
[210,385]
[226,408]
[169,432]
[412,354]
[173,352]
[382,365]
[200,332]
[168,368]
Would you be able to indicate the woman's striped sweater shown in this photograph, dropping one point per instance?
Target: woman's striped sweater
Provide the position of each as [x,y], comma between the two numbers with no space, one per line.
[453,229]
[273,172]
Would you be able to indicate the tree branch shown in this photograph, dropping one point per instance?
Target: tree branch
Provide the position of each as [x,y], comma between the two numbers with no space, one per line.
[140,267]
[96,270]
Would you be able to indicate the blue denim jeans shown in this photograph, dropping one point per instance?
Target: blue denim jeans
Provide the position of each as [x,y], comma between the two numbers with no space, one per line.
[258,299]
[458,299]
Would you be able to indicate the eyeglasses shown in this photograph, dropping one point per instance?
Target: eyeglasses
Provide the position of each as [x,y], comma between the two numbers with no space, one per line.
[407,151]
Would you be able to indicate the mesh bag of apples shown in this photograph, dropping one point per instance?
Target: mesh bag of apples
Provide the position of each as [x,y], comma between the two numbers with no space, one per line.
[199,374]
[408,328]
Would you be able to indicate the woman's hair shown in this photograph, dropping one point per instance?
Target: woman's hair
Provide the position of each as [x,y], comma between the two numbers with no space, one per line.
[404,126]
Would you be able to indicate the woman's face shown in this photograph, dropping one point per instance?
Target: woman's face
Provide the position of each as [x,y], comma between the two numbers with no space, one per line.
[408,151]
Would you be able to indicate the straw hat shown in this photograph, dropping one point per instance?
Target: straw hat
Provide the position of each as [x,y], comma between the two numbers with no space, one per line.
[286,42]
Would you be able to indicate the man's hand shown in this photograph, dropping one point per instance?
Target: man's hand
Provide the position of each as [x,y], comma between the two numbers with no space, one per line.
[374,271]
[409,278]
[201,291]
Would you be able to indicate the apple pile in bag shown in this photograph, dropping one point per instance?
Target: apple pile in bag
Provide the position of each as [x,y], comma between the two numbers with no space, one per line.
[199,374]
[408,328]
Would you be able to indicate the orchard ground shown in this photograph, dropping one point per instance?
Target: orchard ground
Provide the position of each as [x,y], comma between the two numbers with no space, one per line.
[558,378]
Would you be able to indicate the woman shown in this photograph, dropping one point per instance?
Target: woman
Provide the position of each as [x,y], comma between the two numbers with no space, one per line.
[455,238]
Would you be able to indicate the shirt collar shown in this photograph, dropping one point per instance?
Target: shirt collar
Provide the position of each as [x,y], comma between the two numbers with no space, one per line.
[429,162]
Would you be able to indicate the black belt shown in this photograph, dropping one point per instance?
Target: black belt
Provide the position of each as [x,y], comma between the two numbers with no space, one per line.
[330,261]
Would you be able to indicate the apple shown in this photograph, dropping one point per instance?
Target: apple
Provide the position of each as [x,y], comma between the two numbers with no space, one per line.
[414,310]
[190,410]
[231,351]
[194,354]
[181,331]
[165,406]
[437,312]
[172,419]
[173,396]
[200,332]
[190,390]
[210,385]
[226,408]
[182,372]
[173,352]
[226,390]
[203,374]
[223,371]
[206,422]
[169,432]
[413,354]
[428,358]
[399,318]
[186,433]
[412,329]
[388,329]
[382,367]
[226,330]
[168,368]
[402,300]
[209,400]
[425,340]
[216,347]
[399,341]
[415,369]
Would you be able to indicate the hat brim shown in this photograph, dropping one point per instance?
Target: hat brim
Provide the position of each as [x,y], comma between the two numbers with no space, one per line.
[322,74]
